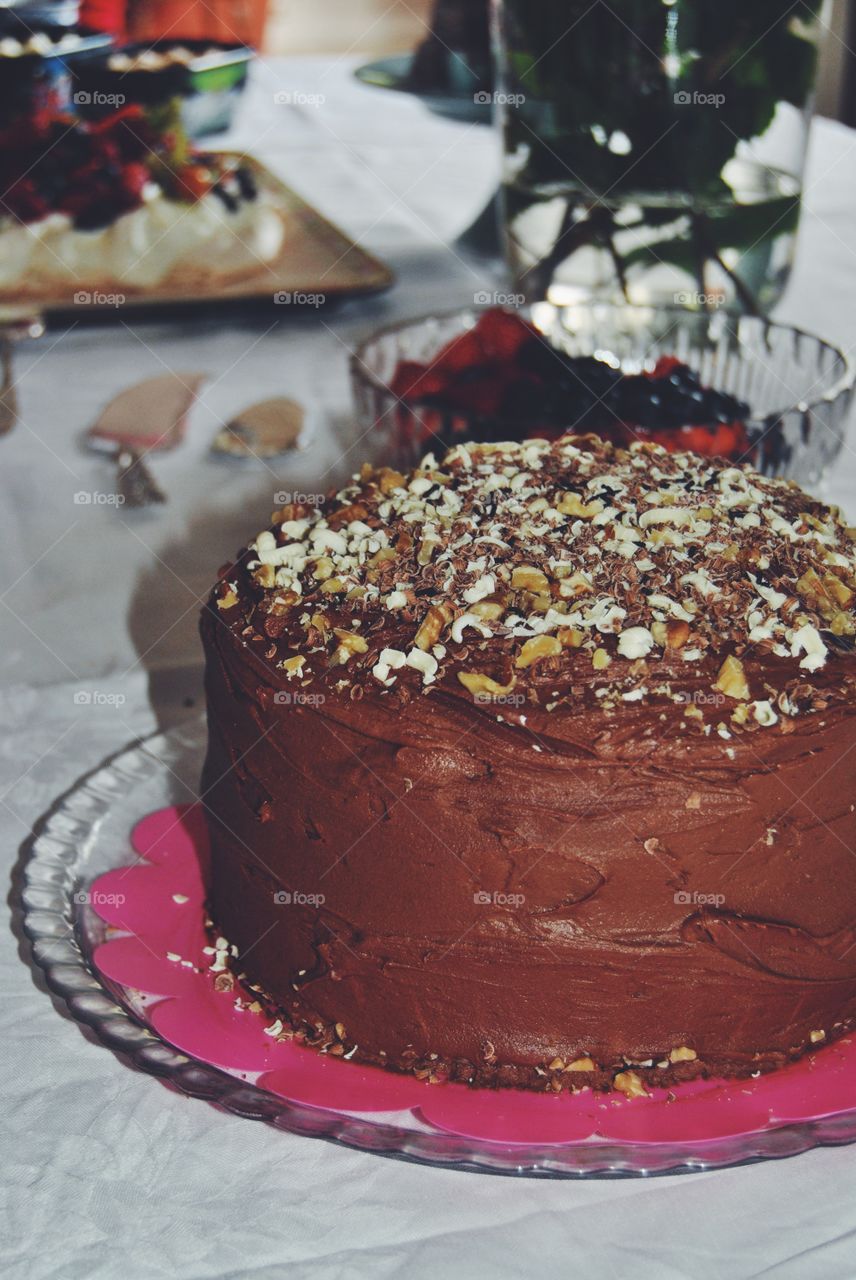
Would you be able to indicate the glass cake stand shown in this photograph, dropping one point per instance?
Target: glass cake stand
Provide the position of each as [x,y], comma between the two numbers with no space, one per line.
[86,835]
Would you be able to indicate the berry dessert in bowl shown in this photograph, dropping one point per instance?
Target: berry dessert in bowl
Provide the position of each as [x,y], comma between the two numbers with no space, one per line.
[739,388]
[549,745]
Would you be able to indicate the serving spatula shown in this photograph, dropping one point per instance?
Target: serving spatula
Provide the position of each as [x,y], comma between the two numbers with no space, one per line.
[147,417]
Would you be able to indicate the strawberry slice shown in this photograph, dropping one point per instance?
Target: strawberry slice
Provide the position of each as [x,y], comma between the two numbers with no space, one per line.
[502,334]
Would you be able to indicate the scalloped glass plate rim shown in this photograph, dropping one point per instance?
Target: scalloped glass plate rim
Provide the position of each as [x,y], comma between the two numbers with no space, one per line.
[54,865]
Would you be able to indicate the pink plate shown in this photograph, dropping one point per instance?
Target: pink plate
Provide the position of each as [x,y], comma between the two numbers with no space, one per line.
[158,905]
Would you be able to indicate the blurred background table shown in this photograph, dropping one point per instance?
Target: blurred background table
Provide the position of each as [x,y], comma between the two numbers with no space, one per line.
[108,1171]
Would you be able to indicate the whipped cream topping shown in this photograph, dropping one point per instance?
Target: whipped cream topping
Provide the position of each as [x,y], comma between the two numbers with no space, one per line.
[39,42]
[142,248]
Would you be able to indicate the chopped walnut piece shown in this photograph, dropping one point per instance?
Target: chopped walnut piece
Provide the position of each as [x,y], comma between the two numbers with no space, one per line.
[281,604]
[581,1064]
[228,600]
[570,637]
[323,569]
[536,649]
[683,1054]
[291,511]
[390,480]
[665,538]
[433,625]
[571,504]
[540,604]
[600,659]
[344,515]
[427,547]
[349,644]
[528,578]
[630,1084]
[842,625]
[478,683]
[838,590]
[490,609]
[731,679]
[575,584]
[827,595]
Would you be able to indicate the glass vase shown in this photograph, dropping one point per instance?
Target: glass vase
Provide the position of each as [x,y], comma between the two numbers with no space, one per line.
[654,148]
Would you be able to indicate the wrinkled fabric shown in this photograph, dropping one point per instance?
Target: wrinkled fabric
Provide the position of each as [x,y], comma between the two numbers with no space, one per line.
[106,1171]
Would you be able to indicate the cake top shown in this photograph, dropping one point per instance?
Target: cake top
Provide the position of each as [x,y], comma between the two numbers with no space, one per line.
[510,565]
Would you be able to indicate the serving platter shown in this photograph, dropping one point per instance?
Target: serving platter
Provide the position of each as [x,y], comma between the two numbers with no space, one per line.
[317,264]
[113,903]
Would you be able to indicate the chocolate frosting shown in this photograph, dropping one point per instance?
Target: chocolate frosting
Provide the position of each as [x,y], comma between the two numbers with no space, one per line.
[567,882]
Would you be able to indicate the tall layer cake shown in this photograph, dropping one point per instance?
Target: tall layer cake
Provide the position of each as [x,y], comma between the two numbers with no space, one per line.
[536,767]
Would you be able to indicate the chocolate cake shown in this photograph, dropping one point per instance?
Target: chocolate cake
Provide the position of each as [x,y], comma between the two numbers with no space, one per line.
[536,767]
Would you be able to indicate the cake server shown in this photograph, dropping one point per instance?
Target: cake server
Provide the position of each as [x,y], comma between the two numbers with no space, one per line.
[263,430]
[147,417]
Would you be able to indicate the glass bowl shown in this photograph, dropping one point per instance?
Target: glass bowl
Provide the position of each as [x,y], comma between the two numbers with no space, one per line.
[799,387]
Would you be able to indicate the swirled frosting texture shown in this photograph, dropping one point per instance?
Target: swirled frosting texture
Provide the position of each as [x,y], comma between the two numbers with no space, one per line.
[601,833]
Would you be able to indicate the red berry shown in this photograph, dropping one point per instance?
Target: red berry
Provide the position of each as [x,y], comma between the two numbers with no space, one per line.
[503,333]
[664,366]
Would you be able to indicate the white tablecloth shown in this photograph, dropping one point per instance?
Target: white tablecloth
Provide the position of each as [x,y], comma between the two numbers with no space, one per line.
[106,1172]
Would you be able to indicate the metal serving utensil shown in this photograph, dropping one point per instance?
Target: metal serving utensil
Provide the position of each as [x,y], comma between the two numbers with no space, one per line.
[262,430]
[145,418]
